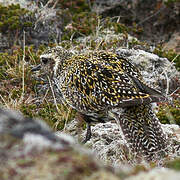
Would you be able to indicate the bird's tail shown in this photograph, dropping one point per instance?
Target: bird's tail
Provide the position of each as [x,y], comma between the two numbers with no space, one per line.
[143,131]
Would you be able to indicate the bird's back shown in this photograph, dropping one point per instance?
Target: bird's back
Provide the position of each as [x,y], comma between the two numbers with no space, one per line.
[102,80]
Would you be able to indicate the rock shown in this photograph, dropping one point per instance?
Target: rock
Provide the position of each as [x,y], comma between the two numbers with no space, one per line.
[30,150]
[157,174]
[173,43]
[109,144]
[33,132]
[158,72]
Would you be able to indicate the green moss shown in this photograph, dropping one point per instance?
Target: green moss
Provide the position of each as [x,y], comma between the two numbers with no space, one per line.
[118,27]
[139,168]
[175,164]
[47,111]
[170,55]
[3,65]
[78,20]
[83,23]
[169,113]
[29,110]
[13,20]
[77,6]
[170,2]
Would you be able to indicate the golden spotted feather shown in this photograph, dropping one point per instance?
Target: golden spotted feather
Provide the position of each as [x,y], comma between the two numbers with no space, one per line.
[102,80]
[100,83]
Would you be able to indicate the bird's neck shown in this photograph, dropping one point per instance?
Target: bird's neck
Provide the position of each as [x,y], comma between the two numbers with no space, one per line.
[62,63]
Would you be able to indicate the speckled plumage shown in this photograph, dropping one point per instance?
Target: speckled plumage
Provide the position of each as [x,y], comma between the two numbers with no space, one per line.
[100,82]
[142,130]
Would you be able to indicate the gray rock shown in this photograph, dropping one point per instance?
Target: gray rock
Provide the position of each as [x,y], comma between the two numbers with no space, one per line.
[34,132]
[157,174]
[158,72]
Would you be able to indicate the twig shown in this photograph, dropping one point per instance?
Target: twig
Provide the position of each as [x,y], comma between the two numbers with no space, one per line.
[167,82]
[31,56]
[45,95]
[55,102]
[174,91]
[55,4]
[4,101]
[66,118]
[98,27]
[49,2]
[23,62]
[72,36]
[164,72]
[170,64]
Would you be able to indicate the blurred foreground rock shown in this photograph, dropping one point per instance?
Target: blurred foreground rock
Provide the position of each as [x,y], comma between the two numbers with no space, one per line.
[30,150]
[157,174]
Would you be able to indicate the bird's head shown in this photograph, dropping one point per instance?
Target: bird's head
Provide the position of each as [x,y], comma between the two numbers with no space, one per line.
[52,59]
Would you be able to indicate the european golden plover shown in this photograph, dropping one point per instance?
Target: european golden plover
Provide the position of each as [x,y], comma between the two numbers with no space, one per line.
[101,83]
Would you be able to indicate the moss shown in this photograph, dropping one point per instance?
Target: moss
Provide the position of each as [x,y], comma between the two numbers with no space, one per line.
[29,110]
[86,23]
[13,20]
[169,113]
[83,24]
[75,7]
[170,2]
[175,164]
[170,55]
[139,168]
[3,65]
[47,111]
[78,20]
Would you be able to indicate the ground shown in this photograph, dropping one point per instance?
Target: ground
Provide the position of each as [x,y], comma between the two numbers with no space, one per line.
[78,26]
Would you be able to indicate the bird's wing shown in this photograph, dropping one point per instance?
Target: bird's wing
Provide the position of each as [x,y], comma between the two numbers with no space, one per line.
[113,88]
[108,83]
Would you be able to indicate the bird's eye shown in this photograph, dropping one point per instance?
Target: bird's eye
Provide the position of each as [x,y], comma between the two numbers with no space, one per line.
[44,60]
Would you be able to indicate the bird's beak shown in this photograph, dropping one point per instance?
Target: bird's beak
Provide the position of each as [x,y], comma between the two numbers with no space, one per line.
[36,68]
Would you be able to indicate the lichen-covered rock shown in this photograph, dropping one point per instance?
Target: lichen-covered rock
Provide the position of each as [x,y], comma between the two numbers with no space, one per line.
[109,144]
[157,174]
[30,150]
[157,71]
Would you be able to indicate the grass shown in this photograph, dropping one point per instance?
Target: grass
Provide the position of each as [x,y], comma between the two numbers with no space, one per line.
[18,88]
[31,94]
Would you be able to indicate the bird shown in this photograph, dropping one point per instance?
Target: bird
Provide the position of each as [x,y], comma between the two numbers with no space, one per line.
[101,85]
